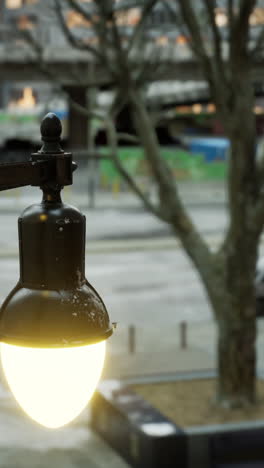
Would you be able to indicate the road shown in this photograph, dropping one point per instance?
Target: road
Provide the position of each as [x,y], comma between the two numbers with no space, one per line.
[139,288]
[120,223]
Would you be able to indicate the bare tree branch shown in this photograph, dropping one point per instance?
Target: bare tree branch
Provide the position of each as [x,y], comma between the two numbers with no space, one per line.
[175,14]
[113,136]
[88,15]
[241,29]
[258,48]
[47,70]
[113,143]
[172,208]
[76,43]
[215,75]
[148,66]
[102,28]
[112,139]
[210,7]
[230,15]
[118,103]
[122,57]
[147,8]
[127,137]
[30,39]
[190,19]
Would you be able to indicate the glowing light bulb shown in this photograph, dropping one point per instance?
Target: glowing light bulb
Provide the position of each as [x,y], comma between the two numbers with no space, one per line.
[53,385]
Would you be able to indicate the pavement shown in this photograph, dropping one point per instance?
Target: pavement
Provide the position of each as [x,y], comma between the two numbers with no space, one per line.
[153,356]
[201,193]
[135,264]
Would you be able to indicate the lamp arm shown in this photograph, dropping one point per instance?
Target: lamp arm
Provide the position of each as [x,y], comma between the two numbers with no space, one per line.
[13,175]
[42,169]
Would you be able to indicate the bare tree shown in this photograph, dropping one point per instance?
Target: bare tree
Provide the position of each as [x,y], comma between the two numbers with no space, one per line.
[226,63]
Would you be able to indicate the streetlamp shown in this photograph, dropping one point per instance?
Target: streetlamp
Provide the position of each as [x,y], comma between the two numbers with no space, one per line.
[53,324]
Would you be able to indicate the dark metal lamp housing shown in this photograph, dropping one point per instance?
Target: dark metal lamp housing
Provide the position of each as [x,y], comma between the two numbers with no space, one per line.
[53,305]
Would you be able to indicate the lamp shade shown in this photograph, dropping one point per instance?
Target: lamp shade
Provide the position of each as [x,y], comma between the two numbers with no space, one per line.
[53,305]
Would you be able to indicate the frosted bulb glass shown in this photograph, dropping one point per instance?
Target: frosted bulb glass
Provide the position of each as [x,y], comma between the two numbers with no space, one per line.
[53,385]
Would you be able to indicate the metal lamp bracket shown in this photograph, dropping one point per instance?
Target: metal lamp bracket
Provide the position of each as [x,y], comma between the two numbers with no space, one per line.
[49,167]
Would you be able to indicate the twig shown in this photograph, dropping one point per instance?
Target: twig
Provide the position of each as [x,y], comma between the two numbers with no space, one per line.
[140,26]
[76,43]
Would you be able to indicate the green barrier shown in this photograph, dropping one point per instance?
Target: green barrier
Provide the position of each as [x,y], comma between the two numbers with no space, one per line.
[6,118]
[185,166]
[130,158]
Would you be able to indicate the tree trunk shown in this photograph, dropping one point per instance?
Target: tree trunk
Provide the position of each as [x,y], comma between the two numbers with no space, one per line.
[237,322]
[232,296]
[237,319]
[237,316]
[236,385]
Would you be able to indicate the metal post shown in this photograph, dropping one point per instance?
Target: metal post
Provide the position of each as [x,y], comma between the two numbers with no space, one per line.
[91,180]
[131,339]
[183,335]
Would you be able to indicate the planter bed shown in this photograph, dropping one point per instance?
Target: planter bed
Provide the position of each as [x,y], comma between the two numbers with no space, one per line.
[148,439]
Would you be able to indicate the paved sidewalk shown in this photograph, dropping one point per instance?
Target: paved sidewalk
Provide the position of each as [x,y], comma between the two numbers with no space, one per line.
[154,355]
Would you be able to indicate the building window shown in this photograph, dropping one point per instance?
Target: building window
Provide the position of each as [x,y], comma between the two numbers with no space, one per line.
[91,40]
[24,100]
[75,20]
[129,18]
[257,17]
[12,4]
[25,22]
[181,39]
[162,40]
[221,18]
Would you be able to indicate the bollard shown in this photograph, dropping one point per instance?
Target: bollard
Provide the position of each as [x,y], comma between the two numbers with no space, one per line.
[92,167]
[116,188]
[131,339]
[183,335]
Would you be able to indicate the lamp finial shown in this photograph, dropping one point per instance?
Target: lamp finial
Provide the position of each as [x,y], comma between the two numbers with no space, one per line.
[51,129]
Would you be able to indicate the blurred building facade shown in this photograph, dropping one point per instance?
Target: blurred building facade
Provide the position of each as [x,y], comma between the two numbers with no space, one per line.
[179,100]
